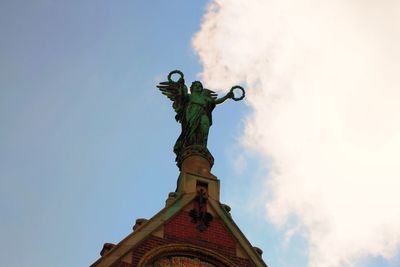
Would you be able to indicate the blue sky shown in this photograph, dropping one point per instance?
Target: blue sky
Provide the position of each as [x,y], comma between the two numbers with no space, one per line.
[86,134]
[86,140]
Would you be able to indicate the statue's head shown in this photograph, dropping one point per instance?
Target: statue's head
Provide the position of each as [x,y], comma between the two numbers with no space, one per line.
[196,87]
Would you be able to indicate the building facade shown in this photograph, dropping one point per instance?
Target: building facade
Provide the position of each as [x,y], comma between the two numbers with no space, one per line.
[194,229]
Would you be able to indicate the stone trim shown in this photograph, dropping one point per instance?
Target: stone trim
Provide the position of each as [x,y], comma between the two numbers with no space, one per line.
[234,229]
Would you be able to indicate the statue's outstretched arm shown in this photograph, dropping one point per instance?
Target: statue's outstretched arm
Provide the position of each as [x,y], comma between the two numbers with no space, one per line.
[231,95]
[224,98]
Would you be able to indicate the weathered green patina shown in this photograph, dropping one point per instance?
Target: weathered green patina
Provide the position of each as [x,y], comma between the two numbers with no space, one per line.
[194,112]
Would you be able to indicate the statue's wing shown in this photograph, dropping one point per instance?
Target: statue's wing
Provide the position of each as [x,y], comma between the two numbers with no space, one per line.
[177,93]
[211,94]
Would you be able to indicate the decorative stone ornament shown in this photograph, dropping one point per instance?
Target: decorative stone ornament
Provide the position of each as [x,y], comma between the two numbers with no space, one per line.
[199,213]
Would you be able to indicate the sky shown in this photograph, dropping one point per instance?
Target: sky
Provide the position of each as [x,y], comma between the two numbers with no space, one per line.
[308,162]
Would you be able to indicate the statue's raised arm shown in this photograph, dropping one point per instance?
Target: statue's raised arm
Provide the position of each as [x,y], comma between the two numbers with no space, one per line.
[194,112]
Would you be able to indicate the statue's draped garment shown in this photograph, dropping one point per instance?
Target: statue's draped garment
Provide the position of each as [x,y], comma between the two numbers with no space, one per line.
[196,120]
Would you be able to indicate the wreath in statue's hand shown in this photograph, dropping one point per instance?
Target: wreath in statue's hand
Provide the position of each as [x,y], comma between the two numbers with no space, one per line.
[233,95]
[175,72]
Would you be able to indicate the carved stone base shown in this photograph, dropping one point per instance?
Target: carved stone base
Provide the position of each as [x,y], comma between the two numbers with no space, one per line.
[196,160]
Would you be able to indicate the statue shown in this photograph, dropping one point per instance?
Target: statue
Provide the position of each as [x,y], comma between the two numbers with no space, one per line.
[194,112]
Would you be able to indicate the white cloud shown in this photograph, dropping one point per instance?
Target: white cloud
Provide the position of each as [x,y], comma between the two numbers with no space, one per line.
[323,80]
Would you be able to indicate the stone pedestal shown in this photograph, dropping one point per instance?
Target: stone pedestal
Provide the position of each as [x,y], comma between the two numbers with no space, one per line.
[196,160]
[196,174]
[192,183]
[198,165]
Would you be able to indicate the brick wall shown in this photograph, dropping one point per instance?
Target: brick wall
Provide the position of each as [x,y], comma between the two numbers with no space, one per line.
[180,230]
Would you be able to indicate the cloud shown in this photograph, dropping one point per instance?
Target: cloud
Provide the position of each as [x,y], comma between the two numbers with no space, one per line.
[324,85]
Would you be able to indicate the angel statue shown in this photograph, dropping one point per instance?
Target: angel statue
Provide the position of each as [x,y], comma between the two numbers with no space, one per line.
[193,111]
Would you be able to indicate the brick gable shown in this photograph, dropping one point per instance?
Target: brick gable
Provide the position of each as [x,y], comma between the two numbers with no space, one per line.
[180,230]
